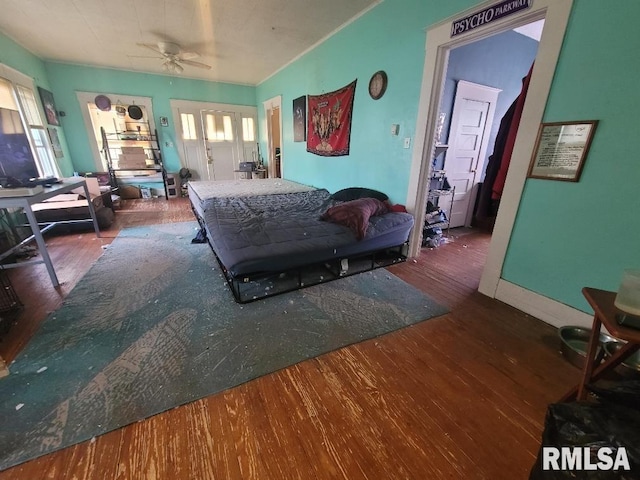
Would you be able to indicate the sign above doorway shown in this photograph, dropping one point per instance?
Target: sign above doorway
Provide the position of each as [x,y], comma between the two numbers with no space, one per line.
[488,15]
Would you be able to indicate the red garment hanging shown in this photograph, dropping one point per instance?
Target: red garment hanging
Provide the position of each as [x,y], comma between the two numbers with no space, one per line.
[498,184]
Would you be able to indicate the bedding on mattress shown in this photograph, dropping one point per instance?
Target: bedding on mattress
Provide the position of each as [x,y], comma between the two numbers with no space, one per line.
[202,190]
[277,232]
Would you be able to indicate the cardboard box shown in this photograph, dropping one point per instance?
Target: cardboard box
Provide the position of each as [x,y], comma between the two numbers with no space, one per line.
[132,160]
[134,150]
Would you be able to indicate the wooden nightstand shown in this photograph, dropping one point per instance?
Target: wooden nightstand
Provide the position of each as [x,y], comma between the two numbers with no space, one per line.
[604,314]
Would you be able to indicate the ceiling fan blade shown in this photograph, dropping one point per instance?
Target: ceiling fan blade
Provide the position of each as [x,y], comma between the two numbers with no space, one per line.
[188,55]
[151,47]
[145,56]
[196,64]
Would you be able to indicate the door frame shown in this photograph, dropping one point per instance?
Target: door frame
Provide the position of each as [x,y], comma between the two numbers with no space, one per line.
[269,105]
[490,96]
[438,44]
[199,106]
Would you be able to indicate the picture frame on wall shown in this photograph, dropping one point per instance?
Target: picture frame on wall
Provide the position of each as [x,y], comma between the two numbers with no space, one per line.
[300,119]
[49,107]
[55,142]
[561,150]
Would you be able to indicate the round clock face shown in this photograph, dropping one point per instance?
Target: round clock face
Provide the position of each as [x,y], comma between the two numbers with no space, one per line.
[378,85]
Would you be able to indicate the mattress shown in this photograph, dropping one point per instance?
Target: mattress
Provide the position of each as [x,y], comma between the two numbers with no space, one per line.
[200,191]
[278,232]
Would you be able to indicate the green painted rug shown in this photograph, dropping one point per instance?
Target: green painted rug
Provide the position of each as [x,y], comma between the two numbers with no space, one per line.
[153,325]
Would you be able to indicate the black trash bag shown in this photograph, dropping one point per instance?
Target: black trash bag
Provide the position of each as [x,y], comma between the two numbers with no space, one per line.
[201,236]
[606,423]
[625,393]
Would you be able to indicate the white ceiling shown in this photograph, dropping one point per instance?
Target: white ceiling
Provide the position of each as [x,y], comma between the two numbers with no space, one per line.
[532,30]
[245,41]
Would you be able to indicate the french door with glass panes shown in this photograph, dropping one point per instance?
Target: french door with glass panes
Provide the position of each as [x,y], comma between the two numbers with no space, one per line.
[213,141]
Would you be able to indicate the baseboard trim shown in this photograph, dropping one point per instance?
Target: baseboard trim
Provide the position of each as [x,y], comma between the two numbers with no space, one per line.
[548,310]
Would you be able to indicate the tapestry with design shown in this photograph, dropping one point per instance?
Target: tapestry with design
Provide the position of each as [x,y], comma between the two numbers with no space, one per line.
[329,123]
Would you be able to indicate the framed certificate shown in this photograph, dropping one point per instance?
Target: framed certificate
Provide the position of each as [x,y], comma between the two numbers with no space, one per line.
[561,149]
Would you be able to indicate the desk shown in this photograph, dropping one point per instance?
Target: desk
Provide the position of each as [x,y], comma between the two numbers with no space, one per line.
[26,202]
[604,314]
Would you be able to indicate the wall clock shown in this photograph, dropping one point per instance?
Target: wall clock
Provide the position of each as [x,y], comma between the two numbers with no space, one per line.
[378,84]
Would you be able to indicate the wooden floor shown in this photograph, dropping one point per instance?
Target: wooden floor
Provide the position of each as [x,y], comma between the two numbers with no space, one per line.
[460,396]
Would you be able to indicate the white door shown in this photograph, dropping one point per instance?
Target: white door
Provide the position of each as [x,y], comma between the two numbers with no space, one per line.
[473,110]
[221,144]
[213,138]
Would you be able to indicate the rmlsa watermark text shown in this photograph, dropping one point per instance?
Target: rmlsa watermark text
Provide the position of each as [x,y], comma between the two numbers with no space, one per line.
[585,458]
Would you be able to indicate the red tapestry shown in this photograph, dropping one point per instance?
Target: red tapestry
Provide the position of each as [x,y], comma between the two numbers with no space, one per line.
[329,125]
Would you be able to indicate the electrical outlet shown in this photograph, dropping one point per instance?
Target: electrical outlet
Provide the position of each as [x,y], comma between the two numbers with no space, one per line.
[407,142]
[168,144]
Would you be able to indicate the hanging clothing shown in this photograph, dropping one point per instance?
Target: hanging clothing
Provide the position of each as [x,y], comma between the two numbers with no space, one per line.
[498,162]
[486,208]
[498,184]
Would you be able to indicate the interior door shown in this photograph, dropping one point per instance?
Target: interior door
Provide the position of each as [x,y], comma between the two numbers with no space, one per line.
[221,144]
[471,120]
[193,153]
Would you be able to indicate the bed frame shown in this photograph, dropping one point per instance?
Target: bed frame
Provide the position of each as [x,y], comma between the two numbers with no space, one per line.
[248,288]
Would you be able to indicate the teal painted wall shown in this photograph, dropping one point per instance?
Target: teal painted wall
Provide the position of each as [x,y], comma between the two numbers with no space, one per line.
[567,235]
[67,79]
[18,58]
[570,235]
[391,38]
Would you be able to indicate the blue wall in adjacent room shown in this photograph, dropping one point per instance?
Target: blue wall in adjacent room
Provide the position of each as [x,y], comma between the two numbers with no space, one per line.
[67,79]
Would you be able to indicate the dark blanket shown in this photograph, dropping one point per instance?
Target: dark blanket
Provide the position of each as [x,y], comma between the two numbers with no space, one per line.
[272,233]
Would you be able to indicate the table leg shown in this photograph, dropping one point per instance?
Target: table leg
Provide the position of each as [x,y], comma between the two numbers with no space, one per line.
[92,210]
[42,247]
[592,350]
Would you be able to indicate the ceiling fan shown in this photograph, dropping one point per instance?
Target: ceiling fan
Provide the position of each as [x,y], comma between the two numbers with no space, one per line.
[174,57]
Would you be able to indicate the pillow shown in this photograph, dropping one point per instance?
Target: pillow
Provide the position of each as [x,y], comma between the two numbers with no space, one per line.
[355,214]
[396,208]
[354,193]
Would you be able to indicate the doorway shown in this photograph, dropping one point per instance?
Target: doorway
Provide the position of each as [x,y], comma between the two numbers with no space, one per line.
[212,139]
[273,121]
[439,44]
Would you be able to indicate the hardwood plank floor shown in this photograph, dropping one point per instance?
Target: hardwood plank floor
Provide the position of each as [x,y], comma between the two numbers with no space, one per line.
[459,396]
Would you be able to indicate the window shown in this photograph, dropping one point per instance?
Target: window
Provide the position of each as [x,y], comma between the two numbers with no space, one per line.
[19,103]
[218,127]
[188,126]
[248,129]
